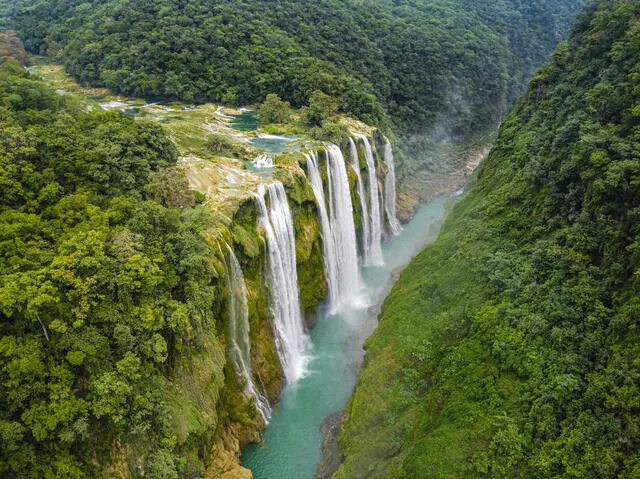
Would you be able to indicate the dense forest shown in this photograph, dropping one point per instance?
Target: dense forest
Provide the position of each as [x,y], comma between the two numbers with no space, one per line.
[455,64]
[104,292]
[509,348]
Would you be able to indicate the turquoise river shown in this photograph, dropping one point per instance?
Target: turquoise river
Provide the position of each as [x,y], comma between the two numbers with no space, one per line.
[292,439]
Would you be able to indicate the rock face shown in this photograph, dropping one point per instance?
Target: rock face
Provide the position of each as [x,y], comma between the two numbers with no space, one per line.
[233,421]
[456,166]
[224,456]
[331,457]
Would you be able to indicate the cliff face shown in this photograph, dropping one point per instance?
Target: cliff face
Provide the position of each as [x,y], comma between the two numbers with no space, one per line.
[240,423]
[236,421]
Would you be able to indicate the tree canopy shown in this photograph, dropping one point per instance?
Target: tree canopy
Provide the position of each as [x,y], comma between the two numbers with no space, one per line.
[103,291]
[453,63]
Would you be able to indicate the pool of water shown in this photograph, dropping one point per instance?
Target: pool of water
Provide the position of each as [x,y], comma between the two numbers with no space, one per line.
[245,121]
[275,144]
[292,439]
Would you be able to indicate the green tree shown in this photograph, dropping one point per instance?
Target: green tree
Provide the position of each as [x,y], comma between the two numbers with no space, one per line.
[274,110]
[170,187]
[220,145]
[321,107]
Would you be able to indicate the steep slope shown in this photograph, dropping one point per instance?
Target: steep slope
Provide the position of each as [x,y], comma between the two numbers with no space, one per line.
[509,348]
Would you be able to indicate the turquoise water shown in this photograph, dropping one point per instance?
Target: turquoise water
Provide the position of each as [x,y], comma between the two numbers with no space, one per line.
[273,143]
[248,121]
[245,121]
[292,440]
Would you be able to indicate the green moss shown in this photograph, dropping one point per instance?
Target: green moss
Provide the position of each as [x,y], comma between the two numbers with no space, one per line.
[313,286]
[247,239]
[298,188]
[193,392]
[238,408]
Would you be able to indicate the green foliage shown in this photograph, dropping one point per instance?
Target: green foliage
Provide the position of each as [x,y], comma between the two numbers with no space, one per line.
[330,131]
[101,289]
[321,108]
[509,347]
[453,64]
[11,47]
[436,76]
[171,188]
[219,145]
[274,110]
[199,197]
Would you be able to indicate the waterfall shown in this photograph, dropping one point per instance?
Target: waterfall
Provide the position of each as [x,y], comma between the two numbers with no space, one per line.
[291,339]
[240,344]
[364,209]
[328,243]
[263,161]
[338,230]
[342,226]
[373,252]
[390,190]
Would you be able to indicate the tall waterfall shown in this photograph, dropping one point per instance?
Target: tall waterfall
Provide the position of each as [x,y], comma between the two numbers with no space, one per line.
[373,252]
[291,339]
[390,190]
[355,164]
[240,344]
[328,243]
[338,230]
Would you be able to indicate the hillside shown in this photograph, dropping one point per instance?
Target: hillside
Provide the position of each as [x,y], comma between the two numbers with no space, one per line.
[95,298]
[509,348]
[417,60]
[431,72]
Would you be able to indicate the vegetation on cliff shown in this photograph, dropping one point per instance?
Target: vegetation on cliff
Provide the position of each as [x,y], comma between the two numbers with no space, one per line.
[509,348]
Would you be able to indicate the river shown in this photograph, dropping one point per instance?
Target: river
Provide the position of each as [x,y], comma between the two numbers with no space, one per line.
[292,439]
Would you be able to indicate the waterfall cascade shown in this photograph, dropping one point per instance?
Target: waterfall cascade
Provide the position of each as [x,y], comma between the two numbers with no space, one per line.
[355,164]
[240,344]
[373,250]
[291,340]
[338,229]
[390,191]
[263,161]
[328,244]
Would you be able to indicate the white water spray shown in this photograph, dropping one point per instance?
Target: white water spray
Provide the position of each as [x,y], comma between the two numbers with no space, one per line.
[338,230]
[263,161]
[291,340]
[390,191]
[364,209]
[240,344]
[373,252]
